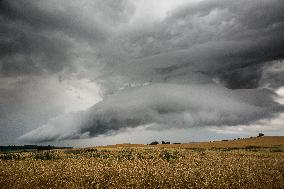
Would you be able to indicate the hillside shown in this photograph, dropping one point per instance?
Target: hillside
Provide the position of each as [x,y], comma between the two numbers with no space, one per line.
[259,142]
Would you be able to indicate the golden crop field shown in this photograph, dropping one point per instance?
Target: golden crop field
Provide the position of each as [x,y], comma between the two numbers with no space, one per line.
[247,163]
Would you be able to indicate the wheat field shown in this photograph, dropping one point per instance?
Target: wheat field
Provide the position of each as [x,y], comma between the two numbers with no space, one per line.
[248,163]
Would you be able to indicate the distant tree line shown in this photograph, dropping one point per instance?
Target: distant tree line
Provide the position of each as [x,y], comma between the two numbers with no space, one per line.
[163,142]
[29,147]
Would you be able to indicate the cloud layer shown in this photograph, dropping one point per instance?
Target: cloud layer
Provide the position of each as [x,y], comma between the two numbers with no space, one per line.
[163,106]
[201,63]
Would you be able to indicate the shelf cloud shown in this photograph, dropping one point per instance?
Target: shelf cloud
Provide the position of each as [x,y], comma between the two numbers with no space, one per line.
[165,106]
[191,64]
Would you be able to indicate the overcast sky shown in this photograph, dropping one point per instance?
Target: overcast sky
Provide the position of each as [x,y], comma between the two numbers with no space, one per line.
[95,72]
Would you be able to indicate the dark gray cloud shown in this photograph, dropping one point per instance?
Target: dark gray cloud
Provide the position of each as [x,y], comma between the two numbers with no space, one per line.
[227,40]
[164,106]
[41,44]
[205,63]
[272,76]
[39,36]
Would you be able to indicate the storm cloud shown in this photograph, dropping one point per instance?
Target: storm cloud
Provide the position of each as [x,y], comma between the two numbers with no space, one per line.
[162,106]
[201,63]
[226,40]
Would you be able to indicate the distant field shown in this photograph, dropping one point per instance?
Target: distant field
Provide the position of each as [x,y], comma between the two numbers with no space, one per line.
[267,141]
[246,163]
